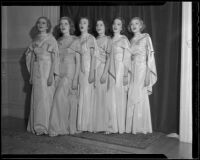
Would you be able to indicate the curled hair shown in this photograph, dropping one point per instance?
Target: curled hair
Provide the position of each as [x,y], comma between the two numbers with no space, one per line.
[123,24]
[48,23]
[89,25]
[141,22]
[105,25]
[71,24]
[34,30]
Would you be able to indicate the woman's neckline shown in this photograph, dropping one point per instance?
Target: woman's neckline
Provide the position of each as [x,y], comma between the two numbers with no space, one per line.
[139,38]
[84,35]
[118,38]
[102,36]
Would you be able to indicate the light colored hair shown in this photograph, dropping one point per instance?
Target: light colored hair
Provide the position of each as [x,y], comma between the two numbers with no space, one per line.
[141,22]
[48,23]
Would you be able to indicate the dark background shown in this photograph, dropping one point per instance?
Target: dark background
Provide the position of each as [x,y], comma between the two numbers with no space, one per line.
[163,23]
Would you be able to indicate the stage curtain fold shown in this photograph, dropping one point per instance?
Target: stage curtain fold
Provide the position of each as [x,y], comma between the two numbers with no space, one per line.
[163,23]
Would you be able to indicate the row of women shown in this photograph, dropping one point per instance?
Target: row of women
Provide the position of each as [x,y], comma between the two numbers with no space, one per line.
[90,84]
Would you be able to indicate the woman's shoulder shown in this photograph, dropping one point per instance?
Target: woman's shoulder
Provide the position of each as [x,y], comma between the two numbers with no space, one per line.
[51,38]
[146,35]
[74,37]
[91,37]
[124,40]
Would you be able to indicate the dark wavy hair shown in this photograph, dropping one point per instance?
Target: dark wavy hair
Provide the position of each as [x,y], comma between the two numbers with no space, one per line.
[123,24]
[71,24]
[89,24]
[34,30]
[57,32]
[105,25]
[141,22]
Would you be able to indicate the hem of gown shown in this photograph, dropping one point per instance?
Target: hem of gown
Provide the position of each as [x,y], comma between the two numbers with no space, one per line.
[139,132]
[53,134]
[41,132]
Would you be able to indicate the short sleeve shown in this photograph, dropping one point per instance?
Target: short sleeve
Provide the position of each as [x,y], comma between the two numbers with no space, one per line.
[76,46]
[53,49]
[149,44]
[28,55]
[127,54]
[109,46]
[125,43]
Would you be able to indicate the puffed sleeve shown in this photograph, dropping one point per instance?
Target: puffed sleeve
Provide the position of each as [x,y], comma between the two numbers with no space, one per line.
[53,49]
[151,65]
[109,46]
[125,44]
[76,45]
[28,55]
[92,43]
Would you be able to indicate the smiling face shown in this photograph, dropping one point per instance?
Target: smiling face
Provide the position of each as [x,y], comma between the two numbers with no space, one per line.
[42,25]
[100,27]
[83,25]
[64,26]
[117,26]
[135,26]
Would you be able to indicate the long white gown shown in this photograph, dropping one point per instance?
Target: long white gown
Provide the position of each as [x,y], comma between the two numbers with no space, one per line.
[63,115]
[42,94]
[100,110]
[86,101]
[138,109]
[120,58]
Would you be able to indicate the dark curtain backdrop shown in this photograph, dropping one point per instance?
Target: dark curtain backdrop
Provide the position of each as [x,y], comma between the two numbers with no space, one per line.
[163,23]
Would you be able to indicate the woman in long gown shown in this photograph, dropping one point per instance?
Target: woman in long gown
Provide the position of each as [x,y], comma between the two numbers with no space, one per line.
[100,111]
[64,110]
[144,77]
[43,65]
[88,50]
[120,63]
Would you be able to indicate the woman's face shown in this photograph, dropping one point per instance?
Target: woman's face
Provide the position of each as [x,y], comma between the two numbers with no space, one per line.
[100,27]
[83,25]
[42,25]
[64,26]
[117,26]
[135,25]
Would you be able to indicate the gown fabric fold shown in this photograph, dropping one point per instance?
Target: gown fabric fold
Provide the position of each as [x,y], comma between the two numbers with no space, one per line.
[120,58]
[86,101]
[100,110]
[41,49]
[64,109]
[143,69]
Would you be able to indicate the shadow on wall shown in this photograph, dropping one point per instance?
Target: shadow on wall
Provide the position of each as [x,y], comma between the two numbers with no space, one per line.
[26,87]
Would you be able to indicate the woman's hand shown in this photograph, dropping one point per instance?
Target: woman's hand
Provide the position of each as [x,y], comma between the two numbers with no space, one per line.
[103,78]
[50,80]
[132,57]
[125,80]
[75,84]
[31,80]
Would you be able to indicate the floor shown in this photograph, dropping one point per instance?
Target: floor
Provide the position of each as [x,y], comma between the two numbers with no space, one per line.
[170,147]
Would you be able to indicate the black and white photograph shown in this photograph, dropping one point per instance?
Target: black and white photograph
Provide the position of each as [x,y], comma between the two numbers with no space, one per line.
[108,79]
